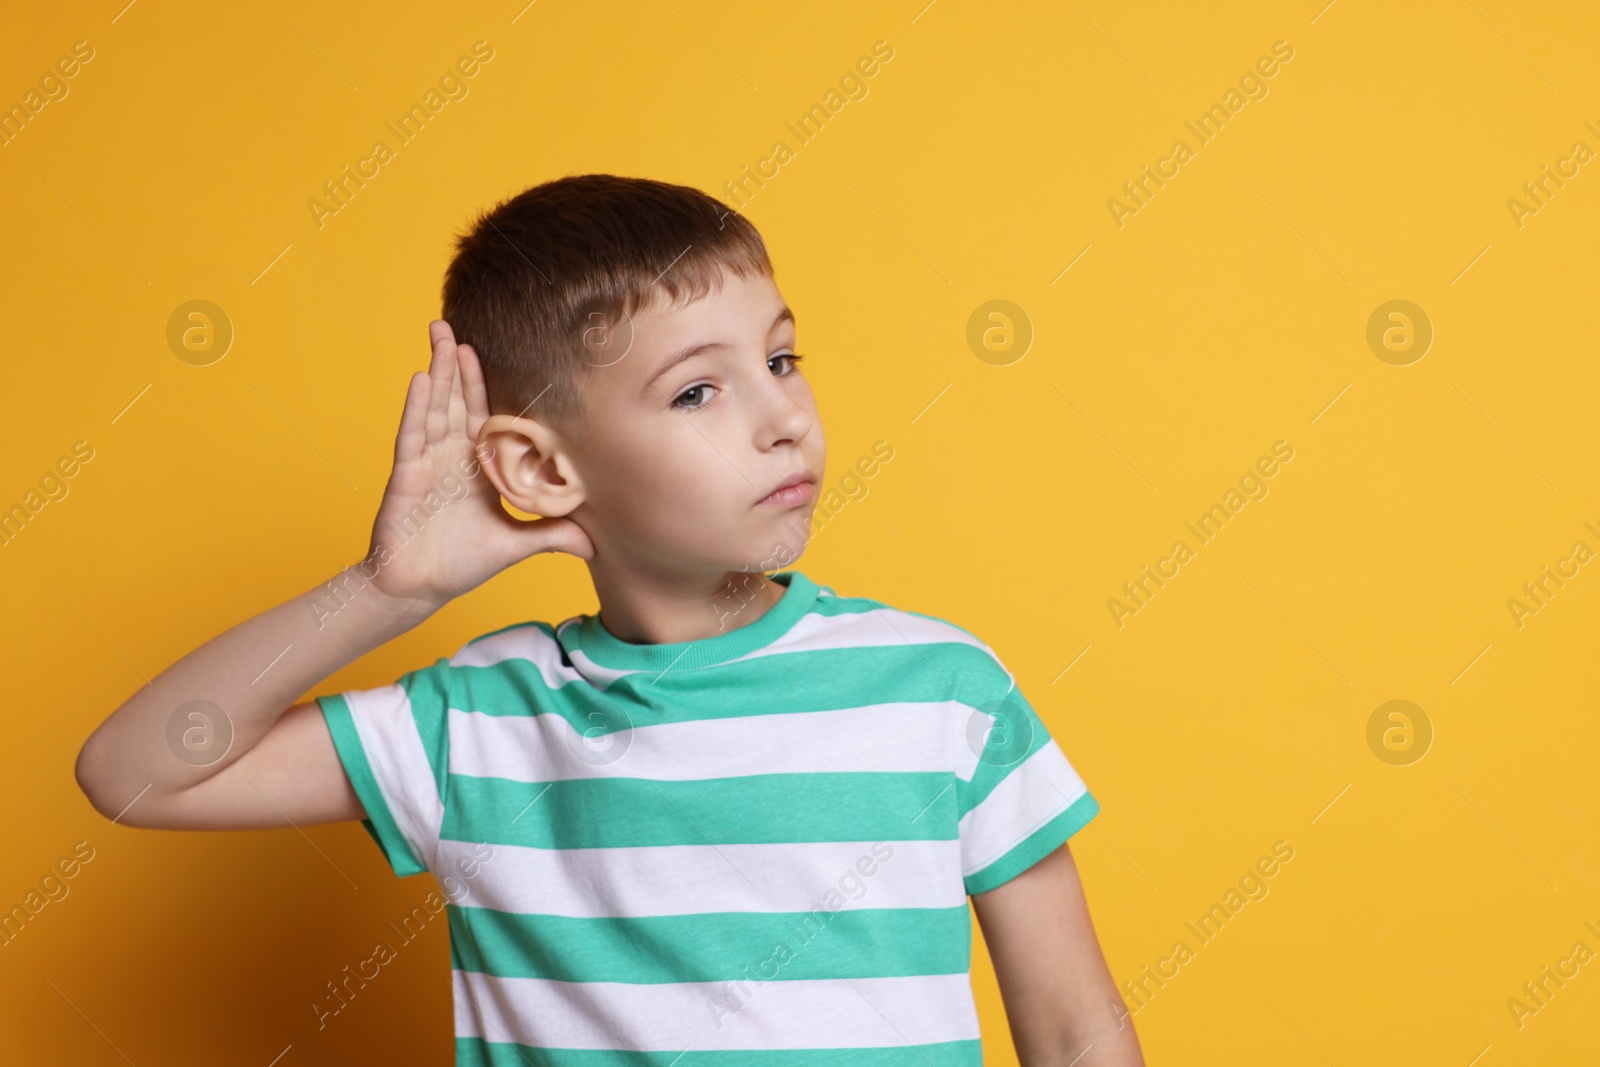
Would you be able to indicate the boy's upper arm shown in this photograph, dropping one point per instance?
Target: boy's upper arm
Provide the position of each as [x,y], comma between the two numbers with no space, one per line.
[379,755]
[1022,799]
[393,743]
[1059,994]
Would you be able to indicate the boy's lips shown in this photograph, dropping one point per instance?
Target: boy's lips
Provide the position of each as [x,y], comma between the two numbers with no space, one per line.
[792,491]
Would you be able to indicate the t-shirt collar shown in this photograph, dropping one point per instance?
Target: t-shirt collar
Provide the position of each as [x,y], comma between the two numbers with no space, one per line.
[586,634]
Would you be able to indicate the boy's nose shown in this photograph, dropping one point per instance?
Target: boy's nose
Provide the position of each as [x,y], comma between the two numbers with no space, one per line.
[786,418]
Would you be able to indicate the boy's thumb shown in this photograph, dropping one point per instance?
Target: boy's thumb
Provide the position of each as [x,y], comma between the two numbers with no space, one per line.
[561,535]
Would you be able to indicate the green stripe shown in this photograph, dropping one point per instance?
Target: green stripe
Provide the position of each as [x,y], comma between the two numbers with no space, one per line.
[754,809]
[428,690]
[1035,847]
[476,1052]
[714,947]
[835,678]
[379,821]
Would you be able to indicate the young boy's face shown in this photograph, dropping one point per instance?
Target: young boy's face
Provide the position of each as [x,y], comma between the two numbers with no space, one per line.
[678,453]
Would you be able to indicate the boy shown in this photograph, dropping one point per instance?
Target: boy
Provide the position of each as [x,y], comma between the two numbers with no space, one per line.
[723,817]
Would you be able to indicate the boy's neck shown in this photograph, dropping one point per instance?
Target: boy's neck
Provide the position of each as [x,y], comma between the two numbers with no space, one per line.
[650,609]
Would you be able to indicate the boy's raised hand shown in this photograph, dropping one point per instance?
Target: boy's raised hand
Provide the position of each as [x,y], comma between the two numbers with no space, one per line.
[440,532]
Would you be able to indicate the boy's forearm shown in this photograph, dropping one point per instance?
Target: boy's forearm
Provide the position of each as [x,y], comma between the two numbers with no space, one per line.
[1082,1023]
[237,684]
[1091,1044]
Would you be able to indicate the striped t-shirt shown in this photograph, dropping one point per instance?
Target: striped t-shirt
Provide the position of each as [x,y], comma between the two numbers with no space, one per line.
[753,848]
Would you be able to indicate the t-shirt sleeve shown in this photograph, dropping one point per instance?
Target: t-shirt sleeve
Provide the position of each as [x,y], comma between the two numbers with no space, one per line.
[1022,799]
[394,744]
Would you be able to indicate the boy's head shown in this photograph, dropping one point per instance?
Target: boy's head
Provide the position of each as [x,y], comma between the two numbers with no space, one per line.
[578,297]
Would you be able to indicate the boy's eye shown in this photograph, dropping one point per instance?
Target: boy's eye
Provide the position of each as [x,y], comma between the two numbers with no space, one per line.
[693,389]
[695,393]
[793,357]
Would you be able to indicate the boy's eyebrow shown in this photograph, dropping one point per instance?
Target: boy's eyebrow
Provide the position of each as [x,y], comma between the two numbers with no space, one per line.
[706,346]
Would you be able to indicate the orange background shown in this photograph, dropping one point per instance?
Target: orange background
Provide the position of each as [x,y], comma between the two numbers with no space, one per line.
[1230,312]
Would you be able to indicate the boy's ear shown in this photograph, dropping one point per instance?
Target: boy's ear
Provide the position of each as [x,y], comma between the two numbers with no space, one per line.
[524,460]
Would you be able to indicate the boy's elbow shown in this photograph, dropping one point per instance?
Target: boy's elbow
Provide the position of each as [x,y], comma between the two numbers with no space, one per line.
[117,789]
[90,771]
[88,781]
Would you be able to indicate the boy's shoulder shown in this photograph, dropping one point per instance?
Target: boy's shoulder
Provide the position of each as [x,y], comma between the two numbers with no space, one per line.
[870,616]
[899,638]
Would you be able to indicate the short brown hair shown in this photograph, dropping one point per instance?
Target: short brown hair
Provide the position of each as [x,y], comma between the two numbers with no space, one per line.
[539,272]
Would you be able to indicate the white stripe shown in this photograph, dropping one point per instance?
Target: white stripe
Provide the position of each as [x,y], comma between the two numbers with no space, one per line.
[816,632]
[388,734]
[528,643]
[1034,792]
[867,629]
[909,737]
[679,1016]
[594,883]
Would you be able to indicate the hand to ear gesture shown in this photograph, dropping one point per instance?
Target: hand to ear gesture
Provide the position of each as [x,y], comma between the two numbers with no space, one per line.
[441,530]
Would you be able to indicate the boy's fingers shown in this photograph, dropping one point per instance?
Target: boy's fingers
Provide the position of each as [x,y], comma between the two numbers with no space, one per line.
[472,381]
[442,371]
[458,401]
[408,441]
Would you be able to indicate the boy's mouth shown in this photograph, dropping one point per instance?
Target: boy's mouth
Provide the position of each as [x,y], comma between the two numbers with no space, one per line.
[792,491]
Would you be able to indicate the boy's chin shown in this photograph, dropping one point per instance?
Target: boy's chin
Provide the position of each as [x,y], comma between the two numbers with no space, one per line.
[770,551]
